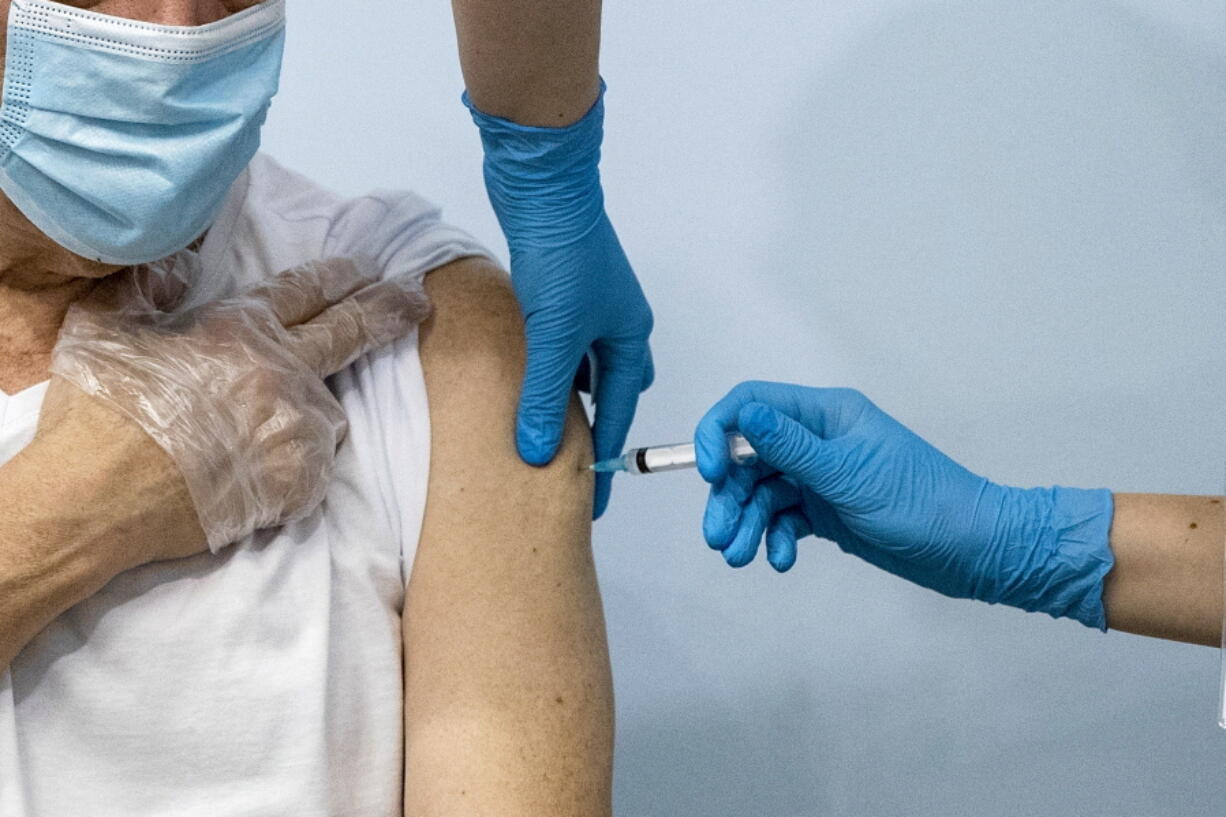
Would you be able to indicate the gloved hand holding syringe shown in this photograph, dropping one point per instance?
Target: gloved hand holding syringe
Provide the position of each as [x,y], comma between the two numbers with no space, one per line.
[829,463]
[675,457]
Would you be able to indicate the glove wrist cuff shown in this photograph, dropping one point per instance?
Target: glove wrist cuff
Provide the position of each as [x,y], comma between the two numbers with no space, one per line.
[543,179]
[518,147]
[1063,534]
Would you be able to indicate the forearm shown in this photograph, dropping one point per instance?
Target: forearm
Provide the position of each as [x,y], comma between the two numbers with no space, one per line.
[49,560]
[1168,574]
[534,62]
[63,532]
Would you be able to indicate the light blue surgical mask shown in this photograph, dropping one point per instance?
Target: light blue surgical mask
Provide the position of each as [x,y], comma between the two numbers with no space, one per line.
[119,139]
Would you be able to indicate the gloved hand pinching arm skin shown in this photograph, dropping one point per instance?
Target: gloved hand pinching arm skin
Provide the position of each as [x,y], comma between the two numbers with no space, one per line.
[574,284]
[530,67]
[164,434]
[834,465]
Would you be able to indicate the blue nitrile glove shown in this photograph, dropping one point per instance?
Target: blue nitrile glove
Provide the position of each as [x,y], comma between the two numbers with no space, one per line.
[574,284]
[833,464]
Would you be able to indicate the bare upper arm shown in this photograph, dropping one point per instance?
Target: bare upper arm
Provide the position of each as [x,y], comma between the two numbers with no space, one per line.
[508,699]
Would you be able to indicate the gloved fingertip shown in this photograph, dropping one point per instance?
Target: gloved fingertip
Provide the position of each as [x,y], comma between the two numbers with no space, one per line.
[780,551]
[534,455]
[537,446]
[743,548]
[716,538]
[757,420]
[781,542]
[737,557]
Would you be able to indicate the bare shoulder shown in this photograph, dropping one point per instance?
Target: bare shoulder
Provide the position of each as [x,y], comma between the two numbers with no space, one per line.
[476,313]
[473,358]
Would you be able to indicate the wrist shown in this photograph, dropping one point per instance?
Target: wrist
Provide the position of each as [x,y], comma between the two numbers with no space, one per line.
[1051,552]
[94,481]
[543,183]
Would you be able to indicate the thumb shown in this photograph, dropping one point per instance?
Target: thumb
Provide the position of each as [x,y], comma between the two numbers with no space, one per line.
[545,396]
[789,447]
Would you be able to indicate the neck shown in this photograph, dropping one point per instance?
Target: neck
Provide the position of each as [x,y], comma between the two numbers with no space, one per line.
[39,280]
[30,318]
[36,288]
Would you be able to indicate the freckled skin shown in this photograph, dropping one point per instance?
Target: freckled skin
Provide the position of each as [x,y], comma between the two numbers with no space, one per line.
[508,692]
[1167,579]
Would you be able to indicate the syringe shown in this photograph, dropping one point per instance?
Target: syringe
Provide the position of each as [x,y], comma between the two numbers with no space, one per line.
[656,458]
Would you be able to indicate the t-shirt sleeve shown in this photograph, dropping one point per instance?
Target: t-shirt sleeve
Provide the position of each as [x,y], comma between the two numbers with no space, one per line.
[384,393]
[403,232]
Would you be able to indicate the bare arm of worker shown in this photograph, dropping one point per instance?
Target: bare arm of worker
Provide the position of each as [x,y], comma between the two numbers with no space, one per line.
[534,62]
[508,694]
[1168,574]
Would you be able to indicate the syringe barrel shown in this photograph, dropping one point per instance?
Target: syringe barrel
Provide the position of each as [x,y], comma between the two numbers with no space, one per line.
[677,456]
[659,458]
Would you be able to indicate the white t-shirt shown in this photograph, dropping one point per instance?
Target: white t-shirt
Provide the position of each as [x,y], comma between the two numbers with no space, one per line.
[265,681]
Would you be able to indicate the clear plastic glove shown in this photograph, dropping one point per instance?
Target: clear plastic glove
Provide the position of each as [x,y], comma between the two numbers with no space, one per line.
[233,391]
[834,465]
[574,283]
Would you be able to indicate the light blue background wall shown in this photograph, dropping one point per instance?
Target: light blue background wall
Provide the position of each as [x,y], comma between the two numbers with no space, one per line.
[1004,221]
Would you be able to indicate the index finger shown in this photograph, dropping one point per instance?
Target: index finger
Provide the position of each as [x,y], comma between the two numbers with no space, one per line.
[299,294]
[367,320]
